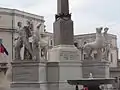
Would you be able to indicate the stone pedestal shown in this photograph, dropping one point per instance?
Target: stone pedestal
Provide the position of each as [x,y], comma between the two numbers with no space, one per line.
[64,64]
[4,84]
[28,74]
[99,69]
[64,53]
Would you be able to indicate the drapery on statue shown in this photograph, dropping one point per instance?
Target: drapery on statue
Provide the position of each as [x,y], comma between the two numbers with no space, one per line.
[97,45]
[24,35]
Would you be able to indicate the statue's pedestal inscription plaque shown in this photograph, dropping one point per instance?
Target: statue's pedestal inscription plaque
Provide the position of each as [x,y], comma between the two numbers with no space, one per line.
[28,73]
[25,73]
[64,53]
[69,55]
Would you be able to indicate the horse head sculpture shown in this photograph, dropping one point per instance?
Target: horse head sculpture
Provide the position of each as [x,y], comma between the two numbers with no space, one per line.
[99,30]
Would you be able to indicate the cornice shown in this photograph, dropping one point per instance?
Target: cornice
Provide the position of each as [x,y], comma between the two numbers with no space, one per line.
[15,12]
[7,30]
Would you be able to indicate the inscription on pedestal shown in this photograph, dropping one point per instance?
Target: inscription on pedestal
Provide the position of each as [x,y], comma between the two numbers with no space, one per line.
[69,55]
[25,74]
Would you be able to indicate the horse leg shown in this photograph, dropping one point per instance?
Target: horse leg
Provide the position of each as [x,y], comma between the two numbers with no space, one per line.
[90,54]
[35,46]
[99,54]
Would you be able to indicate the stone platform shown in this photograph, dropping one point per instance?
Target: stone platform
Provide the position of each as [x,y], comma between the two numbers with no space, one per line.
[59,72]
[99,69]
[64,63]
[28,74]
[64,53]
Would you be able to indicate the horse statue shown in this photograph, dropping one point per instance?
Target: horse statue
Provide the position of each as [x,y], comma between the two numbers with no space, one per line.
[36,42]
[97,45]
[40,43]
[44,45]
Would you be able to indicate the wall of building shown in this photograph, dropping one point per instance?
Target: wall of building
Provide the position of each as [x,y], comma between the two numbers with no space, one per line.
[5,18]
[6,30]
[20,16]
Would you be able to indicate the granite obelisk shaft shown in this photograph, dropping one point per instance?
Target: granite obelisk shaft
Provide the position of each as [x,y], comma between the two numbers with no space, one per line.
[62,6]
[63,25]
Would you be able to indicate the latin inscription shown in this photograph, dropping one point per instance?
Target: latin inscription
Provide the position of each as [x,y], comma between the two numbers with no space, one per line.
[69,55]
[24,74]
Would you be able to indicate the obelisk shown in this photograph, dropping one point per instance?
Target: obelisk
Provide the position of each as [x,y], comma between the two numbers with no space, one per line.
[64,58]
[63,25]
[63,35]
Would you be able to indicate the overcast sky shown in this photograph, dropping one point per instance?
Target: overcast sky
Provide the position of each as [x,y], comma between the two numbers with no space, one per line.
[86,14]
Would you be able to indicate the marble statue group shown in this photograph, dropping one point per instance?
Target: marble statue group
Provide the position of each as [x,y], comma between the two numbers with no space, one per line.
[100,44]
[35,46]
[31,40]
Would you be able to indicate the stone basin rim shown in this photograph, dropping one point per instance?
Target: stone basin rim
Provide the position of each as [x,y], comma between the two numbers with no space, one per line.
[91,81]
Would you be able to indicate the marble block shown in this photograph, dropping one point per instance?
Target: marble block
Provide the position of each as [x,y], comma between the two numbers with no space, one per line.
[28,74]
[99,69]
[64,53]
[59,72]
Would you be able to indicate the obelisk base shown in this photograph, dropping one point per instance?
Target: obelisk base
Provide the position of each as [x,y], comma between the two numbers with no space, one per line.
[64,64]
[64,53]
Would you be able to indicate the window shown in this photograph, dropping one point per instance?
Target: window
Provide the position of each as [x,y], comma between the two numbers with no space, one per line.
[85,43]
[85,56]
[95,55]
[116,79]
[51,42]
[111,56]
[19,24]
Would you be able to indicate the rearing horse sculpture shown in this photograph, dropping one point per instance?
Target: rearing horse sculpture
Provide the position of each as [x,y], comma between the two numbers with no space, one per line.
[98,44]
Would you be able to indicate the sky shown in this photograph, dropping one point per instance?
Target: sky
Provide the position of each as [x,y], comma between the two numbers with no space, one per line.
[86,14]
